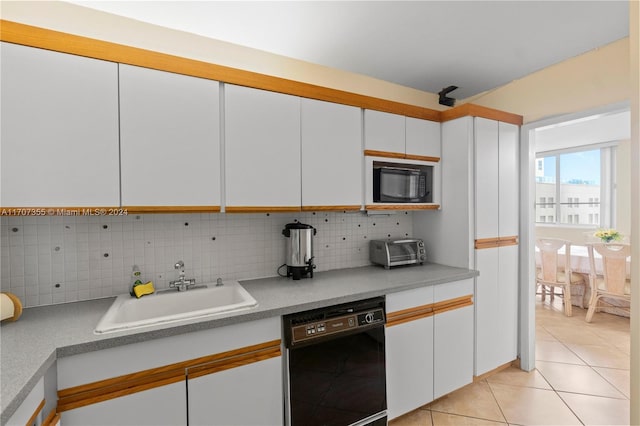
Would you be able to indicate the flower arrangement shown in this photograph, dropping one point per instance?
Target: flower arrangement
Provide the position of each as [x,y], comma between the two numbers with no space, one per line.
[608,235]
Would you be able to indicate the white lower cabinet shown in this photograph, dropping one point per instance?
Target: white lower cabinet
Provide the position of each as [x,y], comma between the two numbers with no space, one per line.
[409,353]
[243,396]
[452,337]
[429,344]
[150,383]
[497,308]
[165,405]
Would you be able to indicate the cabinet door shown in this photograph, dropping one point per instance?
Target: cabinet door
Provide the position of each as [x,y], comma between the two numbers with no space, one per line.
[165,405]
[508,211]
[487,311]
[384,131]
[170,139]
[452,340]
[507,304]
[248,395]
[331,154]
[409,354]
[422,138]
[262,148]
[486,178]
[59,129]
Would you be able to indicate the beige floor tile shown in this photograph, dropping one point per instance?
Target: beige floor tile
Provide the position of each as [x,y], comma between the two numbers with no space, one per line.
[516,377]
[570,333]
[595,410]
[445,419]
[474,400]
[415,418]
[556,352]
[530,406]
[621,379]
[577,379]
[543,334]
[600,356]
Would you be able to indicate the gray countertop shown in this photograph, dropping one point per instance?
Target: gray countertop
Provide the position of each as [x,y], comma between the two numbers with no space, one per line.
[29,346]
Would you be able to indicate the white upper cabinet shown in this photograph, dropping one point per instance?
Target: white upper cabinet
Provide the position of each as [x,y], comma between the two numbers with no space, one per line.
[487,178]
[497,180]
[384,131]
[331,154]
[509,179]
[262,148]
[407,136]
[59,129]
[170,139]
[422,138]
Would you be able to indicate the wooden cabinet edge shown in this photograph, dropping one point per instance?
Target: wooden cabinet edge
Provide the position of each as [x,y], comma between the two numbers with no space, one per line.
[52,419]
[425,311]
[331,208]
[473,110]
[170,209]
[262,209]
[487,243]
[104,390]
[399,155]
[27,35]
[409,314]
[402,207]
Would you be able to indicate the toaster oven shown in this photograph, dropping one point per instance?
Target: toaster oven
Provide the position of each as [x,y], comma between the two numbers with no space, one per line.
[390,253]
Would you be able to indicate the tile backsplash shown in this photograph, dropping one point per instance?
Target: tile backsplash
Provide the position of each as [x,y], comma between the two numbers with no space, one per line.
[56,259]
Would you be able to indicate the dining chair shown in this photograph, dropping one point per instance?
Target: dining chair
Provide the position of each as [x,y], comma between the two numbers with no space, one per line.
[555,273]
[614,282]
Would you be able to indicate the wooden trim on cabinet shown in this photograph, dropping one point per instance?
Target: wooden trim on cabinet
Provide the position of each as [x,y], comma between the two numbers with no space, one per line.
[62,211]
[170,209]
[451,304]
[410,314]
[400,155]
[473,110]
[39,408]
[52,419]
[402,206]
[262,209]
[103,390]
[330,208]
[425,311]
[422,158]
[385,154]
[509,241]
[487,243]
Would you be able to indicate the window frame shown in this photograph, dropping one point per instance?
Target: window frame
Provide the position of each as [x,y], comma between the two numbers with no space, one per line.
[606,198]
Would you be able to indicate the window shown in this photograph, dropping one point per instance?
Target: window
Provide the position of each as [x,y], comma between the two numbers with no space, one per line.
[570,176]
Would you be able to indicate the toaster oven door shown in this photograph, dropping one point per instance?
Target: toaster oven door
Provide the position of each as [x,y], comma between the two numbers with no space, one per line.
[403,253]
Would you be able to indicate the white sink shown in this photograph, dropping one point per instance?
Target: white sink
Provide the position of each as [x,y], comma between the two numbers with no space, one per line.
[163,307]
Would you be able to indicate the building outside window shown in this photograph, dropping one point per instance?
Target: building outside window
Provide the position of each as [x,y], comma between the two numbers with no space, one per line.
[578,180]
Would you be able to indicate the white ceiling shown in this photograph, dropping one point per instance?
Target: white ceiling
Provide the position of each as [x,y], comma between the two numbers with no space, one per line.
[428,45]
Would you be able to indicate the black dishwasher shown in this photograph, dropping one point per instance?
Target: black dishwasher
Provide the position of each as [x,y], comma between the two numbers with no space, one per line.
[335,365]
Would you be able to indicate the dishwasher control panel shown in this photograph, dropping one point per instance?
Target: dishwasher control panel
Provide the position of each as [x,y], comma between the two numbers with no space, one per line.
[327,322]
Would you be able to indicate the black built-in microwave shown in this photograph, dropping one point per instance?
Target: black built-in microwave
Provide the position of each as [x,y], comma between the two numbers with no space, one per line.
[402,183]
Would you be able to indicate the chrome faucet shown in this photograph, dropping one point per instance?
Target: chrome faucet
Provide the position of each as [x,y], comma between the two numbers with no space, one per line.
[182,283]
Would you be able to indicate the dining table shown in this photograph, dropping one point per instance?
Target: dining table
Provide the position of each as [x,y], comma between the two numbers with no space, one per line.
[580,264]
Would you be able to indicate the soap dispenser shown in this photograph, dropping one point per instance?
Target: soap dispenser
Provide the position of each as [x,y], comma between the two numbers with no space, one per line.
[135,279]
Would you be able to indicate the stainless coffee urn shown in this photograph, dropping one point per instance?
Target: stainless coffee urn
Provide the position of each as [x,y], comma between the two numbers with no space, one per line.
[299,259]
